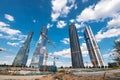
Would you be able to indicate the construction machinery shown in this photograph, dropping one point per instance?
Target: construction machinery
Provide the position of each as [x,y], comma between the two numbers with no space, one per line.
[54,59]
[46,56]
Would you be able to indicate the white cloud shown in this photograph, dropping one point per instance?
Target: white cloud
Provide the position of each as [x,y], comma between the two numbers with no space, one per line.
[64,53]
[3,24]
[114,23]
[14,37]
[108,34]
[61,24]
[64,64]
[11,34]
[8,59]
[88,64]
[84,1]
[76,6]
[28,62]
[13,44]
[49,26]
[107,55]
[59,63]
[65,41]
[80,37]
[9,31]
[103,9]
[84,49]
[72,20]
[60,8]
[1,35]
[79,25]
[9,17]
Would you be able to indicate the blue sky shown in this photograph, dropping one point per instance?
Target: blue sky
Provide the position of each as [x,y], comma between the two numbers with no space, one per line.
[18,17]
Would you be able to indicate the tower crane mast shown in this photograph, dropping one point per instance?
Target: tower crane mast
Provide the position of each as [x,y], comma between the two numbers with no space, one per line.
[46,56]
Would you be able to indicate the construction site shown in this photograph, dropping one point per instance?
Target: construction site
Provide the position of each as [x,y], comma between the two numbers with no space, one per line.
[39,70]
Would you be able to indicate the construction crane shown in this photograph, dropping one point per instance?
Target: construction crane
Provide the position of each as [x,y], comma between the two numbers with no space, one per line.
[49,41]
[46,56]
[54,57]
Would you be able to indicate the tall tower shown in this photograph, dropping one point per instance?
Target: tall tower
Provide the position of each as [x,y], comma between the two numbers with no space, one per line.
[38,56]
[22,55]
[76,55]
[93,48]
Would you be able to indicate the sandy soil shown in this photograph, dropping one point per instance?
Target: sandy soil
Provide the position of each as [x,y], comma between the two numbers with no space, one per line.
[8,77]
[60,76]
[108,75]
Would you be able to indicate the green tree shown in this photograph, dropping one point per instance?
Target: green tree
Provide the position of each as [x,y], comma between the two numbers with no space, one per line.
[117,51]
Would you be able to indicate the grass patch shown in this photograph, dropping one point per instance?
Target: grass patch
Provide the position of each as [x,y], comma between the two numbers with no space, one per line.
[61,71]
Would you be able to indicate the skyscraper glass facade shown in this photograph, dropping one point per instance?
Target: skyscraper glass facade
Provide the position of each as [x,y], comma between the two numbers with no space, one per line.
[22,55]
[38,56]
[76,55]
[93,48]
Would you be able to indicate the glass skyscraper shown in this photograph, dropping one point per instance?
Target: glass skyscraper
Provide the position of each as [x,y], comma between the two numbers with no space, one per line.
[22,55]
[76,55]
[93,48]
[38,56]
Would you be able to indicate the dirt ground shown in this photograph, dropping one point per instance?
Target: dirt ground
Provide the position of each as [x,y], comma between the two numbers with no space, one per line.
[109,75]
[62,76]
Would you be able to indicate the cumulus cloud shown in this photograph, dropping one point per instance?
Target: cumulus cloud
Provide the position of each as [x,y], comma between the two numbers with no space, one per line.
[113,30]
[59,63]
[107,55]
[107,34]
[61,24]
[3,24]
[28,62]
[84,49]
[114,23]
[79,25]
[13,44]
[11,34]
[49,26]
[8,59]
[80,37]
[1,35]
[66,53]
[9,17]
[5,29]
[64,64]
[65,41]
[84,1]
[9,31]
[103,9]
[61,8]
[72,20]
[98,12]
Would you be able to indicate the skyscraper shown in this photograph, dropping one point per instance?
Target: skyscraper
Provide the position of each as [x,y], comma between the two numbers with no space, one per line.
[76,55]
[22,55]
[93,48]
[38,56]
